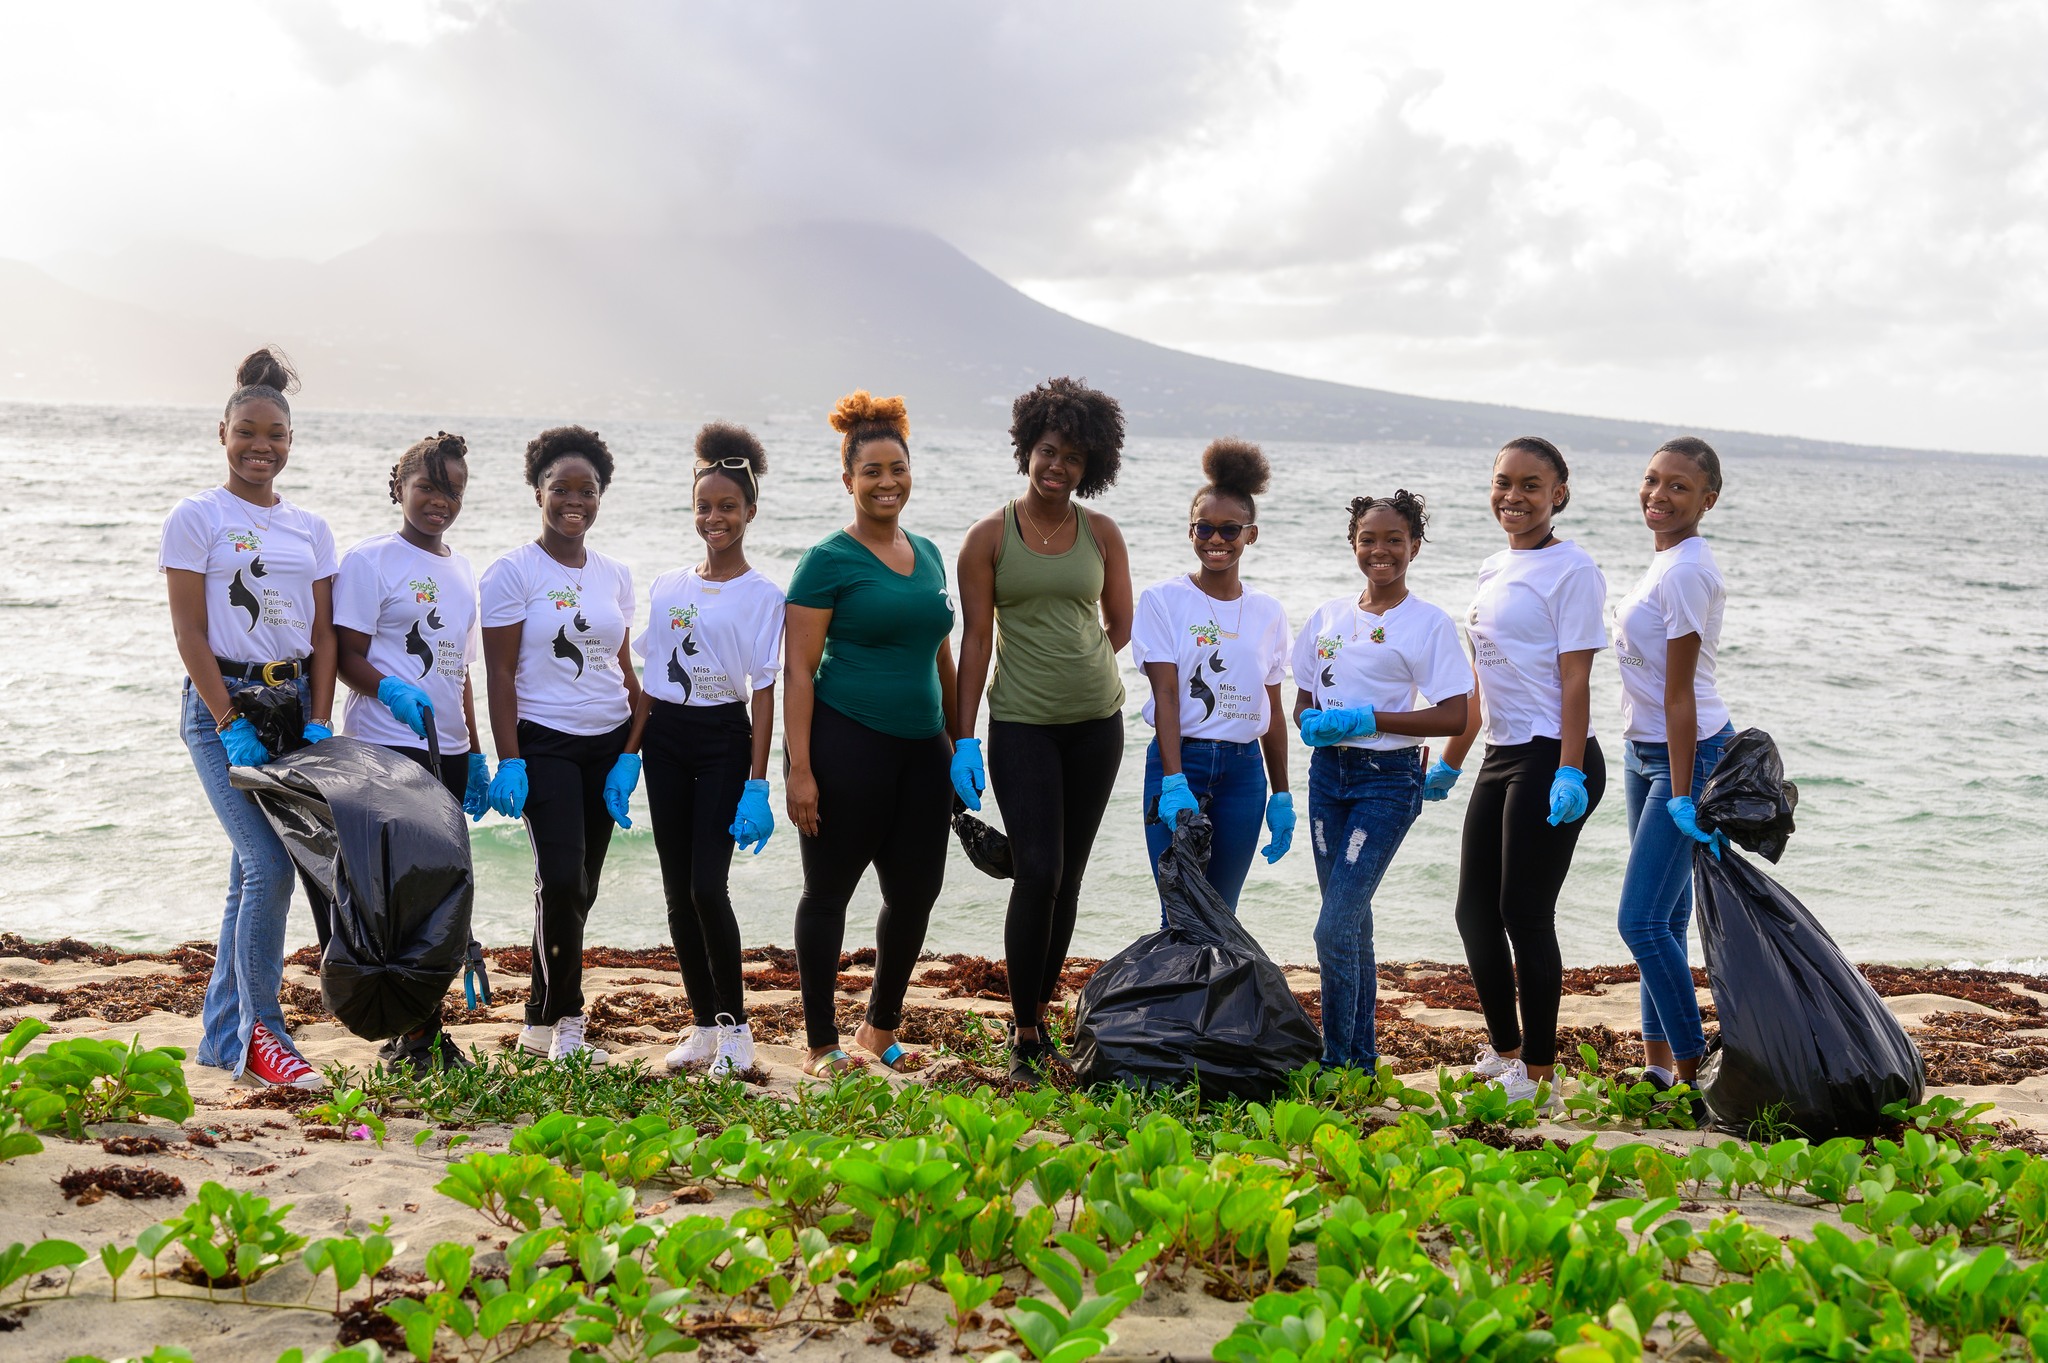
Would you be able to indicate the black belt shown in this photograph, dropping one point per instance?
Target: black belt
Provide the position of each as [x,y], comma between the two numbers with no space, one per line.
[270,674]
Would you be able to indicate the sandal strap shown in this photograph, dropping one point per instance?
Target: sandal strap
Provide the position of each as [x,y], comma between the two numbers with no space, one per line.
[829,1062]
[893,1054]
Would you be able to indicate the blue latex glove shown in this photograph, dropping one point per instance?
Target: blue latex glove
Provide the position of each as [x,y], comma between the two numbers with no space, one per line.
[1442,776]
[508,788]
[476,796]
[1687,818]
[1280,823]
[755,821]
[1567,796]
[244,748]
[408,704]
[618,788]
[1175,799]
[316,733]
[970,778]
[1326,728]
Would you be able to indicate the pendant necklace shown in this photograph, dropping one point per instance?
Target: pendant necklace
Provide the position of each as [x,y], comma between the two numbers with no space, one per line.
[1236,620]
[1043,538]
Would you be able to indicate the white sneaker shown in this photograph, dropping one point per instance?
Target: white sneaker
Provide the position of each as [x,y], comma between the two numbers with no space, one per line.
[1487,1064]
[1519,1087]
[735,1048]
[568,1041]
[695,1049]
[536,1040]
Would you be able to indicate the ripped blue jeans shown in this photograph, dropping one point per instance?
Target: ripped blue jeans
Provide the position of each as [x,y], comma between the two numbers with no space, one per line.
[1361,802]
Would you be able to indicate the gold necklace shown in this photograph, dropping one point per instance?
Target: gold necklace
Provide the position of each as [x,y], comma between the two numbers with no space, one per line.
[1236,620]
[1379,631]
[1043,538]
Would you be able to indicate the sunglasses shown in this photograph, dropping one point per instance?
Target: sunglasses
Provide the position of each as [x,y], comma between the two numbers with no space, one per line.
[734,462]
[1230,531]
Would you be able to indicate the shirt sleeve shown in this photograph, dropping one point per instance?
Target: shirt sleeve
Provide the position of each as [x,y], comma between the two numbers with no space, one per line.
[358,592]
[325,563]
[641,636]
[1578,605]
[1686,597]
[1304,660]
[502,595]
[1442,671]
[816,581]
[188,538]
[766,664]
[1151,631]
[624,590]
[1276,647]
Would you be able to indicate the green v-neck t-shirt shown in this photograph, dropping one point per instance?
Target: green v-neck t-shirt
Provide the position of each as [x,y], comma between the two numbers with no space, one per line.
[880,665]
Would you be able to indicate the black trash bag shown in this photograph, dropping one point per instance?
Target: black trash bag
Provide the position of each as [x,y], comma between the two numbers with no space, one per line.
[987,849]
[275,711]
[1748,798]
[384,841]
[1197,1000]
[1803,1036]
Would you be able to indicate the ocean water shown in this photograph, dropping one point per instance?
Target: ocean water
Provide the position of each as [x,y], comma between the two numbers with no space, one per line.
[1887,623]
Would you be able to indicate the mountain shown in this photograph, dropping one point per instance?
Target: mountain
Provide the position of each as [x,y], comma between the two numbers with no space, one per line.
[776,322]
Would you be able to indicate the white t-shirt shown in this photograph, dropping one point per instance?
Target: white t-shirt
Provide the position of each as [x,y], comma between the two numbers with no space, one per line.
[1407,658]
[710,643]
[419,610]
[1227,654]
[260,565]
[576,621]
[1532,605]
[1681,593]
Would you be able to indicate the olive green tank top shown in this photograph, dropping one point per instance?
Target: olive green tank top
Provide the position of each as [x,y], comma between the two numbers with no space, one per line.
[1054,664]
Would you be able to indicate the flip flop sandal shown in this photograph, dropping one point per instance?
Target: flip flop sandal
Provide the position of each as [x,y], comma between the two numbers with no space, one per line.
[832,1064]
[901,1059]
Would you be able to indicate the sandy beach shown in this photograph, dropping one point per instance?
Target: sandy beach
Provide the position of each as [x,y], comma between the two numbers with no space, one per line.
[1984,1035]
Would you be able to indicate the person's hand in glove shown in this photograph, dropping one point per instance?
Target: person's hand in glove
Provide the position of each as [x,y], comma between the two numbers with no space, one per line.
[618,788]
[408,704]
[755,821]
[1280,823]
[508,788]
[1326,728]
[316,733]
[970,778]
[1567,796]
[1175,799]
[244,748]
[1687,818]
[1442,776]
[476,796]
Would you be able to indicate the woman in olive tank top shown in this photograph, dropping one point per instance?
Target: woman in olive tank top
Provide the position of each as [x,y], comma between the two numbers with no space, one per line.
[1045,587]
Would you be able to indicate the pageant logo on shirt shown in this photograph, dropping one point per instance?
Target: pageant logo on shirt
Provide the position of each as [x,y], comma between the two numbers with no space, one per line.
[424,589]
[682,617]
[564,600]
[1207,635]
[245,541]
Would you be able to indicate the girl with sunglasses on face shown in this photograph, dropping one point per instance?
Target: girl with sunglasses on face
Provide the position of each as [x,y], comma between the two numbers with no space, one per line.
[703,726]
[1045,588]
[1215,652]
[1536,622]
[250,578]
[1666,633]
[405,611]
[557,620]
[1374,675]
[867,688]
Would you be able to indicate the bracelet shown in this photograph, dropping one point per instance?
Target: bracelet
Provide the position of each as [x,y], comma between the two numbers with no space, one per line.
[228,723]
[326,724]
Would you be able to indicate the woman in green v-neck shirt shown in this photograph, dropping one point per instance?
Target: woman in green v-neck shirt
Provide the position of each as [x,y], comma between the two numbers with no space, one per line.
[868,683]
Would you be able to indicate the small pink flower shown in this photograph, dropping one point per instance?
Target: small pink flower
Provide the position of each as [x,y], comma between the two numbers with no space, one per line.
[359,1133]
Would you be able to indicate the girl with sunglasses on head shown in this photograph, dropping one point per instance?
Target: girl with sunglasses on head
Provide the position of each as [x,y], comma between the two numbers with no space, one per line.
[1536,622]
[250,578]
[1374,675]
[557,620]
[702,728]
[405,612]
[1045,589]
[1215,652]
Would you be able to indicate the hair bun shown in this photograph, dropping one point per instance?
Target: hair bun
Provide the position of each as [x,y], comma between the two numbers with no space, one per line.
[862,408]
[1237,467]
[269,367]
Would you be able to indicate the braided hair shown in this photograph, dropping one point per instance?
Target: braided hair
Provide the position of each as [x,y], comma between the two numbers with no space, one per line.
[1407,505]
[431,454]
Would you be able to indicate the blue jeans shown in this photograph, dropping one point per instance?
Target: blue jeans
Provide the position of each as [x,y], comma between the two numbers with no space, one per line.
[1656,892]
[1231,778]
[248,966]
[1360,805]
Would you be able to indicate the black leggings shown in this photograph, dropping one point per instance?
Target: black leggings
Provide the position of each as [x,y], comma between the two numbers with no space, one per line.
[454,774]
[1052,782]
[885,802]
[696,759]
[1512,867]
[570,831]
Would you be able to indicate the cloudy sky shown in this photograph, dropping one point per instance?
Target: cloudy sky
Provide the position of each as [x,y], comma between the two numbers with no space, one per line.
[1828,219]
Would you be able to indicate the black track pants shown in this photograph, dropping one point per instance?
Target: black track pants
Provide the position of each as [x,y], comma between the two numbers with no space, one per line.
[885,802]
[570,831]
[1052,782]
[1512,867]
[695,759]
